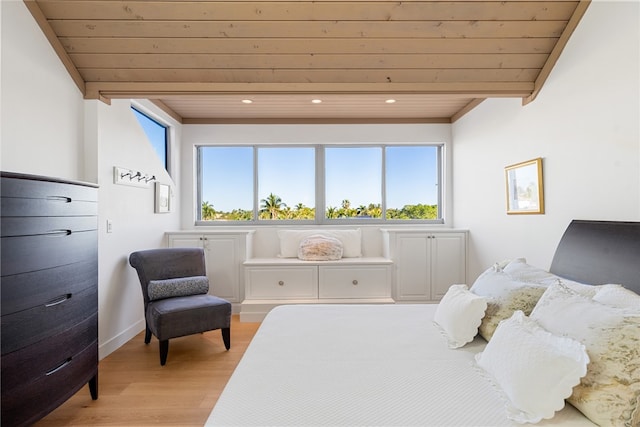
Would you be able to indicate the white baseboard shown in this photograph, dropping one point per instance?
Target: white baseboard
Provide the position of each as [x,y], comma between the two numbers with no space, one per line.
[119,340]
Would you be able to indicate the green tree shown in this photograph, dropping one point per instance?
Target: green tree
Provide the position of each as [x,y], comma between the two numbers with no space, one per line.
[208,213]
[332,212]
[272,206]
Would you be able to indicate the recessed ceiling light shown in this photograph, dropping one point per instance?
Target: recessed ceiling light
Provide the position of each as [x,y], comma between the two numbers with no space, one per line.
[390,101]
[316,101]
[247,101]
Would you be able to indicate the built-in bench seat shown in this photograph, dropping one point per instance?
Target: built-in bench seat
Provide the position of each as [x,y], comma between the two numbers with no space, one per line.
[272,280]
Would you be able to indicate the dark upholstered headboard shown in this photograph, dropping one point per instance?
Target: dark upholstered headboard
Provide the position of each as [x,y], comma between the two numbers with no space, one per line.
[599,252]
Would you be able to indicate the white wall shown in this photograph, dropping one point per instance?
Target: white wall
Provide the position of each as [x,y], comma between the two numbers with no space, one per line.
[121,142]
[584,124]
[42,107]
[48,129]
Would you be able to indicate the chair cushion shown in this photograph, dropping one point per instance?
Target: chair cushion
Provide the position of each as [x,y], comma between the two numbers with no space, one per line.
[180,316]
[178,287]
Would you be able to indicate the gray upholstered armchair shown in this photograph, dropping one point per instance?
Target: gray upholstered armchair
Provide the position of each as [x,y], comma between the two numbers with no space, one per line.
[176,300]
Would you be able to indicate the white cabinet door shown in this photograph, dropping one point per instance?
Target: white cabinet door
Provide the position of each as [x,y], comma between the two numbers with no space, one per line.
[427,263]
[448,262]
[223,261]
[411,257]
[223,266]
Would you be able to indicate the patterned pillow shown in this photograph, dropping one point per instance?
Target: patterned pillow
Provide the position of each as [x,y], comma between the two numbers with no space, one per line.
[505,295]
[179,287]
[320,248]
[610,392]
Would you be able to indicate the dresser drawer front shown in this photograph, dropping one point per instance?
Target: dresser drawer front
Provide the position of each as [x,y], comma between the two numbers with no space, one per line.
[354,282]
[28,290]
[282,283]
[45,188]
[26,327]
[29,253]
[14,206]
[30,402]
[31,363]
[36,225]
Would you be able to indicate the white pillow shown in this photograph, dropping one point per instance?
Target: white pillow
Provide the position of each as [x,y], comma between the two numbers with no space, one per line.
[610,392]
[520,270]
[534,370]
[290,241]
[459,314]
[504,296]
[617,296]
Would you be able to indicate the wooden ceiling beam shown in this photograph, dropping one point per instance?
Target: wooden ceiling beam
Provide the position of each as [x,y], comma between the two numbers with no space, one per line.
[234,75]
[157,90]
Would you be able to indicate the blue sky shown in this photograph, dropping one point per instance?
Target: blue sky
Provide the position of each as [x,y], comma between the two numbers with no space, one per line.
[156,133]
[351,173]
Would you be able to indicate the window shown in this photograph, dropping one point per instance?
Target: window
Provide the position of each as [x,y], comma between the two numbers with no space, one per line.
[319,184]
[156,133]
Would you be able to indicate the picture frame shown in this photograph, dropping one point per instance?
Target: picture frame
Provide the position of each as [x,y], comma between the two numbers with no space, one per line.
[525,192]
[163,198]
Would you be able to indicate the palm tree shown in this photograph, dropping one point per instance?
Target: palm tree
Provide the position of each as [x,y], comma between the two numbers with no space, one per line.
[208,213]
[272,205]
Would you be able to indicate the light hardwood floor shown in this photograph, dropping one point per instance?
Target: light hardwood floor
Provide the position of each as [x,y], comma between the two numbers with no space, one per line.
[134,390]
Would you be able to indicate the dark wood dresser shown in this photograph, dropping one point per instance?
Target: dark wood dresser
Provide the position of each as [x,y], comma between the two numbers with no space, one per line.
[49,294]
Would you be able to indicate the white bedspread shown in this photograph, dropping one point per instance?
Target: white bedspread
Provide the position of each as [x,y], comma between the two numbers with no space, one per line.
[357,365]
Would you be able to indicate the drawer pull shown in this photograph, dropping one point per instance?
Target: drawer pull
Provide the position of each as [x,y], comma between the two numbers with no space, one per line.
[58,300]
[60,199]
[60,366]
[281,283]
[58,232]
[355,282]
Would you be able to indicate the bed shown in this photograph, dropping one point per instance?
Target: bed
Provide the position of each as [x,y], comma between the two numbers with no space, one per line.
[392,365]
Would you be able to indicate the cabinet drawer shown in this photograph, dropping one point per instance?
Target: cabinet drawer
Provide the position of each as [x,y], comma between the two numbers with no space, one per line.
[282,283]
[30,197]
[36,225]
[27,290]
[26,327]
[355,282]
[26,404]
[29,253]
[15,206]
[31,363]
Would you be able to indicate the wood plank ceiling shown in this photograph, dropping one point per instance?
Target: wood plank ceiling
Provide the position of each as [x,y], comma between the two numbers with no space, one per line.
[200,59]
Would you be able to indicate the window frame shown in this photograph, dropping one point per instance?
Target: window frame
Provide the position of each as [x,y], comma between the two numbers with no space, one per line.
[320,183]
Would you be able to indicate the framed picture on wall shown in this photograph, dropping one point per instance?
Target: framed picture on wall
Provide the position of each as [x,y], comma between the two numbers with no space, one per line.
[525,193]
[163,198]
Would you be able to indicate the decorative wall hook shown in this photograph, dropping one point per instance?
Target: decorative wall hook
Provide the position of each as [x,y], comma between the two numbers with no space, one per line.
[131,177]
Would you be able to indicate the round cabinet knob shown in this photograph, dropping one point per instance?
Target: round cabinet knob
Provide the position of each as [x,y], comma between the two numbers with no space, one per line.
[355,282]
[281,283]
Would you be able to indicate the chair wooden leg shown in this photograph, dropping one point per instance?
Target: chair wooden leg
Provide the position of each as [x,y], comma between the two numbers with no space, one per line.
[147,335]
[226,337]
[164,350]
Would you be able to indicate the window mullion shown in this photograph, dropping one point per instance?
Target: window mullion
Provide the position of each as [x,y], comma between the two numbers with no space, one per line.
[320,185]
